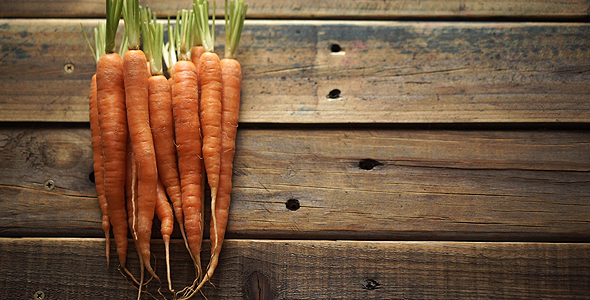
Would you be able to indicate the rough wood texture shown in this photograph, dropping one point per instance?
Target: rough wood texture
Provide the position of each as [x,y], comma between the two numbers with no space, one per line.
[384,72]
[297,9]
[461,185]
[75,268]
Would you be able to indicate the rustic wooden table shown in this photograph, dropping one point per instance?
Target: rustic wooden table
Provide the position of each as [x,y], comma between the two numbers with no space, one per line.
[388,149]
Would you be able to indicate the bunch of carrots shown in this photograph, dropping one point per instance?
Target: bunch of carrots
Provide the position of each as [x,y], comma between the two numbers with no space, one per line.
[156,140]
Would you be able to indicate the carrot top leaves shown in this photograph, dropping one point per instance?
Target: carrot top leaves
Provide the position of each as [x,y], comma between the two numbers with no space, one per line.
[113,16]
[235,14]
[207,35]
[99,37]
[153,40]
[132,23]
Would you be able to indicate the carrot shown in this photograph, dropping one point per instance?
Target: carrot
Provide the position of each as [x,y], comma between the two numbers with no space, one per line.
[162,127]
[98,165]
[98,159]
[196,52]
[185,109]
[136,96]
[113,126]
[231,74]
[211,94]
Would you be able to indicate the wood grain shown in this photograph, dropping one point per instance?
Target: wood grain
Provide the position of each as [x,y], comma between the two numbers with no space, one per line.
[385,72]
[304,9]
[280,269]
[451,185]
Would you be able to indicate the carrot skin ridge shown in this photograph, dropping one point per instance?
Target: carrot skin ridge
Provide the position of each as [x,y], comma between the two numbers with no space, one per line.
[131,196]
[188,145]
[98,165]
[113,124]
[136,94]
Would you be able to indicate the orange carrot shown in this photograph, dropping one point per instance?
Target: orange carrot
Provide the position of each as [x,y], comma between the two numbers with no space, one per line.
[188,146]
[113,126]
[98,160]
[185,107]
[162,127]
[98,164]
[136,96]
[231,74]
[210,102]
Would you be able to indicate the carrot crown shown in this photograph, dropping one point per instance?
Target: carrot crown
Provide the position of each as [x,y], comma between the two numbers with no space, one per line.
[132,23]
[113,16]
[184,34]
[169,49]
[235,14]
[207,35]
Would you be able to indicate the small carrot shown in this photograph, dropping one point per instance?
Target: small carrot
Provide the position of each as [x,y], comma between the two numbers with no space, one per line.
[231,75]
[97,156]
[113,125]
[185,109]
[211,94]
[162,127]
[136,97]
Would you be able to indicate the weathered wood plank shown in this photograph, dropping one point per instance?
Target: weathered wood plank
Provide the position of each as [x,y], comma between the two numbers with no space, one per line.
[298,9]
[384,72]
[75,268]
[456,185]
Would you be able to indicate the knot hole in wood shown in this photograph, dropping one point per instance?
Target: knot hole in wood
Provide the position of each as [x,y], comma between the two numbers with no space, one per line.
[371,284]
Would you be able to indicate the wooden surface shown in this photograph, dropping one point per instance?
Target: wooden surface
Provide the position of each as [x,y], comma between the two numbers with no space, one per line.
[439,184]
[386,72]
[297,269]
[386,150]
[313,9]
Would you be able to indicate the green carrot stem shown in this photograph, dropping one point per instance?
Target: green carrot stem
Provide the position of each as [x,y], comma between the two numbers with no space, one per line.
[235,14]
[113,16]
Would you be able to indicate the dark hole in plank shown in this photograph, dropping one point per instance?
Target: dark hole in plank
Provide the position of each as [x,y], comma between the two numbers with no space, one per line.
[334,94]
[368,164]
[335,48]
[292,204]
[91,177]
[371,284]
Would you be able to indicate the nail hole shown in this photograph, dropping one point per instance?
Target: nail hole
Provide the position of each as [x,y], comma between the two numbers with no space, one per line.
[39,295]
[371,284]
[335,48]
[292,204]
[49,185]
[91,177]
[368,164]
[69,68]
[334,94]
